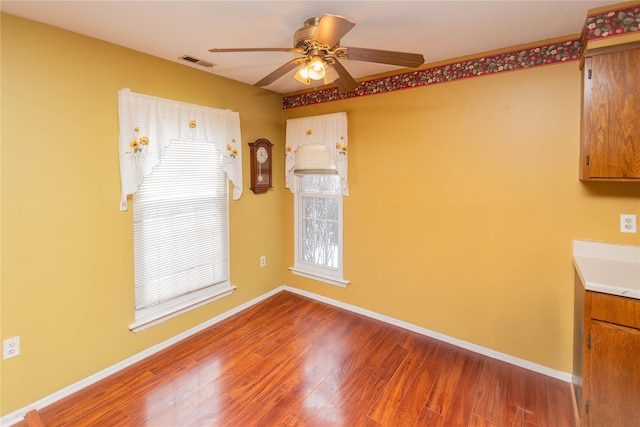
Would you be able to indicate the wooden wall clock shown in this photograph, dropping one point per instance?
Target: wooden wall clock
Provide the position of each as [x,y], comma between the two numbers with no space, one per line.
[260,165]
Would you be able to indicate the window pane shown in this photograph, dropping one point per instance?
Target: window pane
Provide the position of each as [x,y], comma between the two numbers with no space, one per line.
[309,207]
[308,229]
[332,209]
[332,232]
[328,184]
[320,231]
[309,251]
[321,208]
[332,256]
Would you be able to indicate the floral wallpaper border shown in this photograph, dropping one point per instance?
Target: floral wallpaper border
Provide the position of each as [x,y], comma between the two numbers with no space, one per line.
[518,60]
[607,24]
[613,23]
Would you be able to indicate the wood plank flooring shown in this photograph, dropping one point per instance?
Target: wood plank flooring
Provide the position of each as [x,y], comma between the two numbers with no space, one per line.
[292,361]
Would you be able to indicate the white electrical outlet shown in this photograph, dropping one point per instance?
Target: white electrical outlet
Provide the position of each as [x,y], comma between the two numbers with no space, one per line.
[10,347]
[263,261]
[628,223]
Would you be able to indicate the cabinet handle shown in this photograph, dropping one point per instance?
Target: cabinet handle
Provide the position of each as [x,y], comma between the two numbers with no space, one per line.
[589,73]
[588,159]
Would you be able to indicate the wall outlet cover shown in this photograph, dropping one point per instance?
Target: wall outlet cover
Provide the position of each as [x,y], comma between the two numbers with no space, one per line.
[628,223]
[10,347]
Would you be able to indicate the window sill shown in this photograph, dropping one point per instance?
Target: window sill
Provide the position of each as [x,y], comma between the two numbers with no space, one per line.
[170,309]
[320,277]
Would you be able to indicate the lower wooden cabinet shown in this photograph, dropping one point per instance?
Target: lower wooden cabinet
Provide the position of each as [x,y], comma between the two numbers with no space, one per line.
[607,359]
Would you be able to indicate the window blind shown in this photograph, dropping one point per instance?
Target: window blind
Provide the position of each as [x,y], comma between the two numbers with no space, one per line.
[181,225]
[314,158]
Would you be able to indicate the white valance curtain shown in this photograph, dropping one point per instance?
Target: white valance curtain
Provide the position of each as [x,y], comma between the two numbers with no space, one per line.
[149,124]
[329,130]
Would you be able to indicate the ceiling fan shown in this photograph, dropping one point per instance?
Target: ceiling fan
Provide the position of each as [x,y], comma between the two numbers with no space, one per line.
[319,43]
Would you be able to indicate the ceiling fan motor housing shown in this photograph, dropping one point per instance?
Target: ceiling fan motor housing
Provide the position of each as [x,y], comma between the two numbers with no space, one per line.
[302,37]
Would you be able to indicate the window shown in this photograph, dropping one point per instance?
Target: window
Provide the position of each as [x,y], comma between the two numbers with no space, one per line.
[181,233]
[175,159]
[316,170]
[318,228]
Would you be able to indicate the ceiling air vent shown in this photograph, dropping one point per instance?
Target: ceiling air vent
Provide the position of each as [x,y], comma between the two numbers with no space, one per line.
[200,62]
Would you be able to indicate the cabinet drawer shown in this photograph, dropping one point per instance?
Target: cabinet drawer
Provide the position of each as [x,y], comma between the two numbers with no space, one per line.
[614,309]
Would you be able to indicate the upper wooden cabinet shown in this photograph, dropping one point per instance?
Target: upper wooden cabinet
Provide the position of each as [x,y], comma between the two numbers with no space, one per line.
[610,143]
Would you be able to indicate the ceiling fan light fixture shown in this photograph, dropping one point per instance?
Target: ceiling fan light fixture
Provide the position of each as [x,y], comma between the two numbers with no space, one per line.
[302,75]
[312,69]
[317,68]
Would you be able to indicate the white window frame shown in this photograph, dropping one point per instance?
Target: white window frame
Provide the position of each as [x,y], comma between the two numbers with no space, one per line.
[312,270]
[152,315]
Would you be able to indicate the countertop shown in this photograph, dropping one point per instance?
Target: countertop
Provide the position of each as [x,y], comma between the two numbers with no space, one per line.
[608,268]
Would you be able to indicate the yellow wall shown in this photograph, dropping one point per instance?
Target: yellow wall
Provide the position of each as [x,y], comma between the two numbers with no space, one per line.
[67,272]
[464,202]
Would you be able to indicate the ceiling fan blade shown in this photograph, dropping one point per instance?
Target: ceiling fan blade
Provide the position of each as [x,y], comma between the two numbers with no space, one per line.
[330,29]
[402,59]
[257,49]
[345,82]
[275,75]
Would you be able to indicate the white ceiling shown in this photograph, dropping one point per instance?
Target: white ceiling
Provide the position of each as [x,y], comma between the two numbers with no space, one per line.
[437,29]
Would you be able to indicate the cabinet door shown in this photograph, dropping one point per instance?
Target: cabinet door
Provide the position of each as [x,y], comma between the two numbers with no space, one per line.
[614,386]
[611,120]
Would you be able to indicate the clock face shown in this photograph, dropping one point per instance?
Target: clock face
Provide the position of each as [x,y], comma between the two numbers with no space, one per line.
[262,155]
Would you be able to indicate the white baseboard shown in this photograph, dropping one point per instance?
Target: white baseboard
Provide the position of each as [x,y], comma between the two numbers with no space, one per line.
[564,376]
[18,415]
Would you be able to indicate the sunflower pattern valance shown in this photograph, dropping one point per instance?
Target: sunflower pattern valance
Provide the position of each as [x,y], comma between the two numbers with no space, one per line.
[149,124]
[329,130]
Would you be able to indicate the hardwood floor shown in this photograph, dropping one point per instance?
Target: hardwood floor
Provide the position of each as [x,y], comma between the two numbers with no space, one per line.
[292,361]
